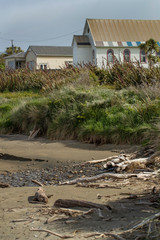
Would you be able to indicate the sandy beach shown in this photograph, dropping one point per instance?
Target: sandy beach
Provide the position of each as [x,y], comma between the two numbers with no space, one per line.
[18,217]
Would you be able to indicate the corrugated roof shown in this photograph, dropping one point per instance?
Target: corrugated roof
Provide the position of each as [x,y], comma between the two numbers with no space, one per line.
[124,30]
[52,51]
[82,39]
[17,55]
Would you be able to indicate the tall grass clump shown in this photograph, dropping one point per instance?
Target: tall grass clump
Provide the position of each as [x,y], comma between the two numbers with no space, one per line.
[113,105]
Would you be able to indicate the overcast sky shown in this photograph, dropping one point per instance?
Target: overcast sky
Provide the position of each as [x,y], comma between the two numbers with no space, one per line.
[53,22]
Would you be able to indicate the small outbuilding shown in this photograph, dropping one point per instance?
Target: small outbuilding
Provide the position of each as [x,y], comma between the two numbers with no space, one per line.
[106,40]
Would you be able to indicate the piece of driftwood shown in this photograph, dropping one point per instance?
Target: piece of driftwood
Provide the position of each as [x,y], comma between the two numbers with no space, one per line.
[99,160]
[57,217]
[41,196]
[144,222]
[110,175]
[96,185]
[20,220]
[4,185]
[33,133]
[73,212]
[38,183]
[52,233]
[123,163]
[66,203]
[115,236]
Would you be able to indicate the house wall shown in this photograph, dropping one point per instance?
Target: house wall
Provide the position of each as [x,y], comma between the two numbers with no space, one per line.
[31,59]
[10,63]
[101,55]
[81,54]
[53,62]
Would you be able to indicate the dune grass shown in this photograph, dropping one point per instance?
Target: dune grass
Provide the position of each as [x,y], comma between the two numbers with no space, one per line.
[83,104]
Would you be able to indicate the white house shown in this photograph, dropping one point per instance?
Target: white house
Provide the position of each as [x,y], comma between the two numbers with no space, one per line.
[105,40]
[48,57]
[41,57]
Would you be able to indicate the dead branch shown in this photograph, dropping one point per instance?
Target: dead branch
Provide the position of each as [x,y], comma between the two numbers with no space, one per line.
[109,175]
[99,160]
[73,212]
[20,220]
[56,217]
[105,234]
[144,222]
[65,203]
[96,185]
[52,233]
[33,133]
[38,183]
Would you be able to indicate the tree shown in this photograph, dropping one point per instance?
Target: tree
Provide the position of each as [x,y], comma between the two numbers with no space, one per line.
[11,50]
[150,47]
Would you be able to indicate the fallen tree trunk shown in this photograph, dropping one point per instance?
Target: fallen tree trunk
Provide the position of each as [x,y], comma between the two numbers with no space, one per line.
[66,203]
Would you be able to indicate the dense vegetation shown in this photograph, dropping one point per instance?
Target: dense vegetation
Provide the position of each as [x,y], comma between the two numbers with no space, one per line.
[117,105]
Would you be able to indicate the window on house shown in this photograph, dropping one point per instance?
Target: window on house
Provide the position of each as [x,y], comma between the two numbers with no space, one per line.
[93,56]
[158,54]
[127,55]
[11,64]
[43,66]
[31,65]
[143,58]
[110,56]
[68,63]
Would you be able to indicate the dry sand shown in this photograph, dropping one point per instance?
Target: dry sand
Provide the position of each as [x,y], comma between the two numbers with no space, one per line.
[14,205]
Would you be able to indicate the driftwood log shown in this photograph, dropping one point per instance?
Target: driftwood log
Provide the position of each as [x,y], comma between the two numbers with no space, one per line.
[4,185]
[121,164]
[110,175]
[67,203]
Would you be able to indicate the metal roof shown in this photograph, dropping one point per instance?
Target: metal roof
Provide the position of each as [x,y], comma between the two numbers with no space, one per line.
[114,30]
[52,51]
[17,55]
[82,40]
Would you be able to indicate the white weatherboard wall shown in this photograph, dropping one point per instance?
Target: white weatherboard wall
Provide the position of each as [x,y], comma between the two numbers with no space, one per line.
[101,55]
[53,62]
[82,54]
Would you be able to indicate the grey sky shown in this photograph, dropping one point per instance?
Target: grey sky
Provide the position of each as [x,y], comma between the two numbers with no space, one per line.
[53,22]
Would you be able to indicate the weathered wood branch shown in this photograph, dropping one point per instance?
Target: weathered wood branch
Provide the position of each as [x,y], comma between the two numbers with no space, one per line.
[144,222]
[99,160]
[52,233]
[116,236]
[36,182]
[66,203]
[109,175]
